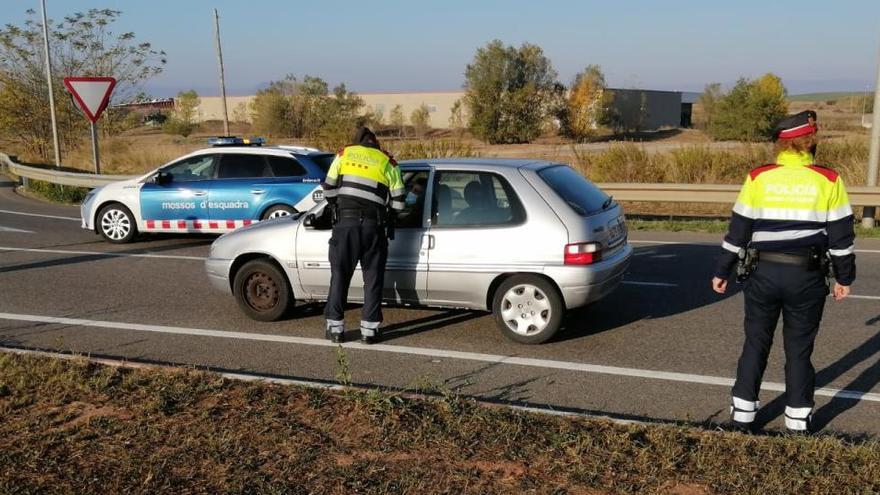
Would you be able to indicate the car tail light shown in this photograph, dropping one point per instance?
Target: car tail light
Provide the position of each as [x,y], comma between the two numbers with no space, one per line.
[583,253]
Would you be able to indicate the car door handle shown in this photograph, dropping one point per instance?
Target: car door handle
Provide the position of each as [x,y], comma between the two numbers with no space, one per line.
[258,191]
[200,193]
[427,241]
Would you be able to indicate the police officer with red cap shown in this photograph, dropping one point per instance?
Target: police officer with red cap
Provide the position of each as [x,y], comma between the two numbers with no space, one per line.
[791,226]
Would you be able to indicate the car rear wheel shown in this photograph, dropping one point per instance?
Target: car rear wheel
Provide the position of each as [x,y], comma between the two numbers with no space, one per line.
[278,211]
[262,291]
[528,309]
[116,224]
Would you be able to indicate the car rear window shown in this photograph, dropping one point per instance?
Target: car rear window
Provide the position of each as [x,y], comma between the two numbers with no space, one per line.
[323,161]
[285,167]
[582,195]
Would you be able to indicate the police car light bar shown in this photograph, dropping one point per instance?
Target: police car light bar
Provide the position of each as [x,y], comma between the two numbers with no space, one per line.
[235,141]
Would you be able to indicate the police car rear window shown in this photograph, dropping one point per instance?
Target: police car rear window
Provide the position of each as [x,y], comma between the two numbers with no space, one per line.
[323,161]
[580,194]
[285,167]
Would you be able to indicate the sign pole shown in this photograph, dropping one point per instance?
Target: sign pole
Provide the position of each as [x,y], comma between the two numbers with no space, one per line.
[51,89]
[95,148]
[874,158]
[222,78]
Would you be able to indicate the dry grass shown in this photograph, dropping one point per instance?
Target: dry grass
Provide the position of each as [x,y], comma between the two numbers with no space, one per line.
[76,427]
[632,162]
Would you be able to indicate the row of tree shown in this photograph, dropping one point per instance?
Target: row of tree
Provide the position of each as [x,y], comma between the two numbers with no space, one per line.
[309,109]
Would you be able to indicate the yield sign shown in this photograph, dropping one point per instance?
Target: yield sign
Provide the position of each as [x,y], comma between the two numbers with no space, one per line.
[91,93]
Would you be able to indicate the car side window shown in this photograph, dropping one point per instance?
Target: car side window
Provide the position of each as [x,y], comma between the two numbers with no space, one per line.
[199,167]
[416,184]
[474,199]
[285,167]
[242,166]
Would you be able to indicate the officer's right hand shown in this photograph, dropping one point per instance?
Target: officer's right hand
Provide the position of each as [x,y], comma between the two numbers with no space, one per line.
[719,285]
[840,291]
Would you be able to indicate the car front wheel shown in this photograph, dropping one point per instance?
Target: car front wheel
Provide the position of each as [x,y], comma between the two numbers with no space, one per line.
[278,211]
[116,223]
[262,291]
[528,309]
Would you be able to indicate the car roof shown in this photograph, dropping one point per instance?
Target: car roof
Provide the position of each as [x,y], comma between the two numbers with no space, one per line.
[482,163]
[262,150]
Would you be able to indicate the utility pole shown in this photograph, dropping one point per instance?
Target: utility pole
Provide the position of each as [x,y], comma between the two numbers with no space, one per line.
[222,79]
[874,158]
[49,80]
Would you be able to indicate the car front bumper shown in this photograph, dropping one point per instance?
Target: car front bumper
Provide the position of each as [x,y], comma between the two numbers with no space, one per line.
[218,274]
[87,212]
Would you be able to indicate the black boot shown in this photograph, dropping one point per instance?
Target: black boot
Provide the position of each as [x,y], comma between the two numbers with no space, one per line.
[334,332]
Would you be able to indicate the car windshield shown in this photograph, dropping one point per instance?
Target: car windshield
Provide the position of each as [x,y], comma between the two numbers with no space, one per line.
[580,194]
[323,160]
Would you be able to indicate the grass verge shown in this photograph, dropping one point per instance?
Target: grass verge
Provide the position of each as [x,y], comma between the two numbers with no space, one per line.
[78,427]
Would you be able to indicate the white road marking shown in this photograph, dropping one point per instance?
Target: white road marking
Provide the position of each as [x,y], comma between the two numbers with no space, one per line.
[684,243]
[436,353]
[10,229]
[99,253]
[39,215]
[648,284]
[871,298]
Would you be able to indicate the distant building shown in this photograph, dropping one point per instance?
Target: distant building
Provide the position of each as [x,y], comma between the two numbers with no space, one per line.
[646,110]
[148,106]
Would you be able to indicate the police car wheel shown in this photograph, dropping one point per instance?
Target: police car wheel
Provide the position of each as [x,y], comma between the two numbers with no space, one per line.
[528,309]
[262,291]
[116,223]
[278,212]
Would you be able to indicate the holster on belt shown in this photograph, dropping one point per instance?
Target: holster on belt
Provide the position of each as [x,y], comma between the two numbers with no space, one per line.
[746,261]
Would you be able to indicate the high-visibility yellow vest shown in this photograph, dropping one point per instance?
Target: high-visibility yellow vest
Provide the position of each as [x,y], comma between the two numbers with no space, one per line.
[790,205]
[365,173]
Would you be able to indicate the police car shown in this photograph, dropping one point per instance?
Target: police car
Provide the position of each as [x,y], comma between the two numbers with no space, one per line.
[234,183]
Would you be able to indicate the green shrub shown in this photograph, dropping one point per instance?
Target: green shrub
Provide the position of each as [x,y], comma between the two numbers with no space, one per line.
[749,111]
[56,193]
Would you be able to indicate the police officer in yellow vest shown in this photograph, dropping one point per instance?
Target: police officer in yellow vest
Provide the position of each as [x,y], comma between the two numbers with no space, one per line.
[789,214]
[362,184]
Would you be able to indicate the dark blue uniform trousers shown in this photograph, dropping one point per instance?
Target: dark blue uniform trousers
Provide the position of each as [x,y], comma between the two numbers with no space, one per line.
[799,294]
[357,240]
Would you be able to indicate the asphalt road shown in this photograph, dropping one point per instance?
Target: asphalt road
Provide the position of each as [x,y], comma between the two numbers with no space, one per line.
[662,347]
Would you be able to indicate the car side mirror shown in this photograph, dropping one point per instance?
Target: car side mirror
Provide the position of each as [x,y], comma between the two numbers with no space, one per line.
[163,178]
[309,221]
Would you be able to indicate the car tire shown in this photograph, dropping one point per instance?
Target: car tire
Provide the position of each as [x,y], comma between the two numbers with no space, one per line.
[116,224]
[278,211]
[528,309]
[262,290]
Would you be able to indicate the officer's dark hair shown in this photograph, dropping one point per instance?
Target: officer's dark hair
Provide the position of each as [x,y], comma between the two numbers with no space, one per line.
[365,137]
[799,144]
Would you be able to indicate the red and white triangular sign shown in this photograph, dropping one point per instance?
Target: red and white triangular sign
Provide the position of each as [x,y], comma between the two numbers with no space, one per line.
[92,93]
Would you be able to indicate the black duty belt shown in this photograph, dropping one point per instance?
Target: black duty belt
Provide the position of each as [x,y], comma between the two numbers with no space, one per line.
[784,258]
[360,214]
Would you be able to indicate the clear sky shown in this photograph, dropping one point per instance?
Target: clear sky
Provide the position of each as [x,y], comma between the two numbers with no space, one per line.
[400,45]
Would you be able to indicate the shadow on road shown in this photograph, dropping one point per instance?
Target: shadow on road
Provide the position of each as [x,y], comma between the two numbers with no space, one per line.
[85,258]
[688,267]
[866,380]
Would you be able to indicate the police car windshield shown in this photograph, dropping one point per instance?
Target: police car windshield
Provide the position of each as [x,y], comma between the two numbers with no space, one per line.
[582,195]
[323,161]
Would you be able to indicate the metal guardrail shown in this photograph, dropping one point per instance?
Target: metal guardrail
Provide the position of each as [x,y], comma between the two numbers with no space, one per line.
[711,193]
[76,179]
[654,193]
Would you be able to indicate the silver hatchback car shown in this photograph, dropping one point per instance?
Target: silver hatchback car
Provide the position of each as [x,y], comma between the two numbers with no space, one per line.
[524,239]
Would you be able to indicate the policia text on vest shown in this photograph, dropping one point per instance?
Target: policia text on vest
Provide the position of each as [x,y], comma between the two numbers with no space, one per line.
[363,183]
[789,214]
